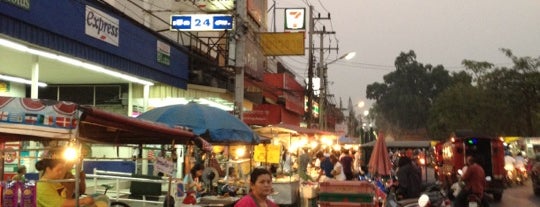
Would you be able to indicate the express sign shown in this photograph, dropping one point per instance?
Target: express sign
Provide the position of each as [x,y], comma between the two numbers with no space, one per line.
[201,22]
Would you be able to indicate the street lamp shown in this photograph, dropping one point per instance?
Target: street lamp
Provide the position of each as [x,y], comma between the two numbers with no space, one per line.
[323,67]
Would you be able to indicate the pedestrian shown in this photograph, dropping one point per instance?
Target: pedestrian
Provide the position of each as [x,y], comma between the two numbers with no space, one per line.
[408,178]
[347,163]
[260,187]
[325,173]
[337,171]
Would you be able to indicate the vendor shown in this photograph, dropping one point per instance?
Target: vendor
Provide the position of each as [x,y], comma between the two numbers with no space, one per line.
[192,180]
[50,194]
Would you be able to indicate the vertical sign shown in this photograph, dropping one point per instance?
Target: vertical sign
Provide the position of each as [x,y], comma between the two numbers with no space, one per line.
[163,53]
[295,19]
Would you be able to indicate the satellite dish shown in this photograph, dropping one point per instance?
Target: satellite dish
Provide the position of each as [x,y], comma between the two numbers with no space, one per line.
[210,175]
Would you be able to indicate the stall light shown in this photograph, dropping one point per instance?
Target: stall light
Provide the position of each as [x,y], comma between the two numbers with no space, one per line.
[71,61]
[314,145]
[422,161]
[70,154]
[20,80]
[240,152]
[336,147]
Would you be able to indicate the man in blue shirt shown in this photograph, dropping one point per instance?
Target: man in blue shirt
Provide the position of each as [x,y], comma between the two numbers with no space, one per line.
[326,167]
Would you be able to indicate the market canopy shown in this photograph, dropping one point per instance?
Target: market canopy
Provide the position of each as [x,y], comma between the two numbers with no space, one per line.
[101,126]
[213,124]
[39,119]
[401,144]
[272,130]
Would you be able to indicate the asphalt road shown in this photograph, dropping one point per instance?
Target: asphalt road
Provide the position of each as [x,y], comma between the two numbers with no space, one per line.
[518,196]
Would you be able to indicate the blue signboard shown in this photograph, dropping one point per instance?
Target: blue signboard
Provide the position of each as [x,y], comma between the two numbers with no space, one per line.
[201,22]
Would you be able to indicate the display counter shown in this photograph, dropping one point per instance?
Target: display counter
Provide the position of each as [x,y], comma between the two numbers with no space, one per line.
[286,192]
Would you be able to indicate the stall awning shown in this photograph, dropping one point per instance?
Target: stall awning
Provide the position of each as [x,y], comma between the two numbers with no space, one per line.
[289,129]
[402,144]
[101,126]
[40,119]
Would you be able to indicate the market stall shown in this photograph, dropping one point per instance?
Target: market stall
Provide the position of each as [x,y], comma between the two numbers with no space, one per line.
[69,124]
[229,163]
[291,154]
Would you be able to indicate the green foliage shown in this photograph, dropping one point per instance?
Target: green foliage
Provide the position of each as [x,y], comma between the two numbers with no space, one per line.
[505,101]
[405,97]
[496,100]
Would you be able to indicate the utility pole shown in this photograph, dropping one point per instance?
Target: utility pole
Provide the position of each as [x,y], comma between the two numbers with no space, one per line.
[309,117]
[241,6]
[321,70]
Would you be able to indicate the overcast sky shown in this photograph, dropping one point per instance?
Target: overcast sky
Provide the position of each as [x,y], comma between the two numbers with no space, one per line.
[439,31]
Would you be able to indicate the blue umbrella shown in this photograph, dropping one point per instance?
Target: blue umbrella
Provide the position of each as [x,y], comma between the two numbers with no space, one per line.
[216,125]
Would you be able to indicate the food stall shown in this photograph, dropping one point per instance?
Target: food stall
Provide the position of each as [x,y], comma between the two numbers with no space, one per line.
[290,146]
[66,123]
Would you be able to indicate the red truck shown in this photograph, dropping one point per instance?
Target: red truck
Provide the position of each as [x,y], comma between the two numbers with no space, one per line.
[451,156]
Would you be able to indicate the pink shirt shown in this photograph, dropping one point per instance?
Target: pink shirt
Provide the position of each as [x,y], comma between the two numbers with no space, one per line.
[248,201]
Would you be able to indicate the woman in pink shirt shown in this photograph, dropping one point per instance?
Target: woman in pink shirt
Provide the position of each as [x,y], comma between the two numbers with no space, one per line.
[260,188]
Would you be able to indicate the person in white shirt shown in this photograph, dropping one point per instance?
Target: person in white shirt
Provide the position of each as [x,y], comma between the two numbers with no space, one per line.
[338,169]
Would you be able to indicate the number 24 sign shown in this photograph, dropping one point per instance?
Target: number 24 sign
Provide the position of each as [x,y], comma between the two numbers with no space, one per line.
[201,22]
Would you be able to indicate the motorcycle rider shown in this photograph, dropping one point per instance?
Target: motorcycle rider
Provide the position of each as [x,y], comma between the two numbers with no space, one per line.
[408,178]
[475,183]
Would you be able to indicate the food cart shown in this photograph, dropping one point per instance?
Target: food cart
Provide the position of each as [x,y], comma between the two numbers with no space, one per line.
[67,123]
[293,143]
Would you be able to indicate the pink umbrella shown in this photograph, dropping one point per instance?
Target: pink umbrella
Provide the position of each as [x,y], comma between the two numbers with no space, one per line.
[379,162]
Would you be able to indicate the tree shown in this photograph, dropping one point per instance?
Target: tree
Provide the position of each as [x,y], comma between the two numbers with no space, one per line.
[499,100]
[517,91]
[405,97]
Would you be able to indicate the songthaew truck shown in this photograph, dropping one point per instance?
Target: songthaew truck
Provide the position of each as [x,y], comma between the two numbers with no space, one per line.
[488,150]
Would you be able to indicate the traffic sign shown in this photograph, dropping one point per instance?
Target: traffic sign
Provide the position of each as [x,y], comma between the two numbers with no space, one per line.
[201,22]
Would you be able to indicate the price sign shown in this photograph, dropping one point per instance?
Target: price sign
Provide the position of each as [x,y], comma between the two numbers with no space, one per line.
[201,22]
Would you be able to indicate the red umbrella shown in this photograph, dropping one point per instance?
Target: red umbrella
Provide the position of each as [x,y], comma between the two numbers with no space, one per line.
[379,162]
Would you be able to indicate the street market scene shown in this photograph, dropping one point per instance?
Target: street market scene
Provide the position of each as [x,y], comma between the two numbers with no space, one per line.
[244,103]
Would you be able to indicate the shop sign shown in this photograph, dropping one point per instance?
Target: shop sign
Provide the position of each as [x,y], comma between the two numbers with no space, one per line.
[11,155]
[165,166]
[295,19]
[282,43]
[267,153]
[163,53]
[102,26]
[24,4]
[202,22]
